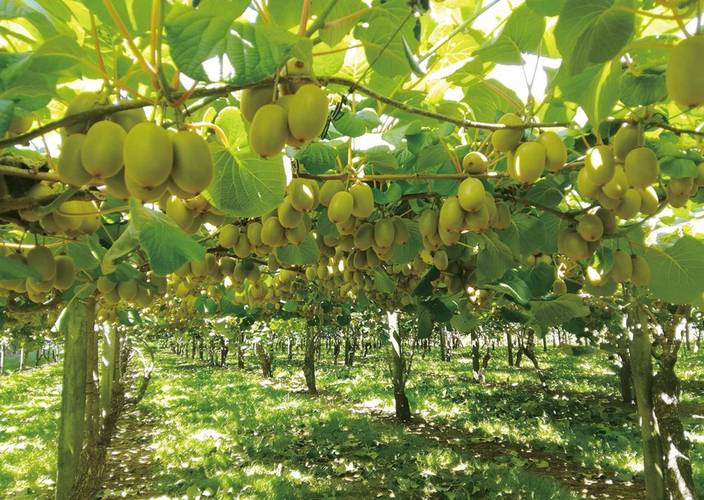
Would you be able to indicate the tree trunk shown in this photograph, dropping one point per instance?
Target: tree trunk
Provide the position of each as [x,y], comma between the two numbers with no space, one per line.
[23,357]
[2,359]
[443,344]
[529,351]
[642,373]
[92,391]
[289,350]
[336,350]
[398,368]
[264,360]
[476,358]
[624,375]
[73,397]
[110,353]
[309,360]
[509,347]
[545,343]
[666,397]
[240,351]
[224,350]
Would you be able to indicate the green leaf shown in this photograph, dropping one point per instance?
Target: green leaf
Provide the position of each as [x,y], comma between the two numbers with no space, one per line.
[678,167]
[464,323]
[494,259]
[546,7]
[245,185]
[555,312]
[343,8]
[125,244]
[195,35]
[642,90]
[595,89]
[7,109]
[229,119]
[488,98]
[382,281]
[425,322]
[306,253]
[523,32]
[11,269]
[256,51]
[166,246]
[356,124]
[387,55]
[677,272]
[317,157]
[404,254]
[592,31]
[98,8]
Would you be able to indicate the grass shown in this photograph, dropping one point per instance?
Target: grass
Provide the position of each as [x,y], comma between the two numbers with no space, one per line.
[29,415]
[227,432]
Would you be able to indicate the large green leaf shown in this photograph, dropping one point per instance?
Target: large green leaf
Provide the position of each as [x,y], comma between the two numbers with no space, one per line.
[404,254]
[596,89]
[523,32]
[677,272]
[555,312]
[196,35]
[11,269]
[166,246]
[494,259]
[306,253]
[7,109]
[592,31]
[256,51]
[245,185]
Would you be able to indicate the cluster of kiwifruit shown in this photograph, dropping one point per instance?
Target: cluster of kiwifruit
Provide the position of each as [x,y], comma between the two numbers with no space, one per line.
[189,214]
[53,273]
[684,73]
[153,158]
[71,218]
[291,113]
[528,160]
[139,292]
[289,223]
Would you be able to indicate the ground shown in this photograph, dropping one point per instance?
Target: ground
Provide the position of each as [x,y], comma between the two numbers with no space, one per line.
[224,432]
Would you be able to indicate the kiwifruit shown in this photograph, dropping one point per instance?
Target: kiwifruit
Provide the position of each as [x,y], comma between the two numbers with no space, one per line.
[340,207]
[148,156]
[82,102]
[177,210]
[428,222]
[116,187]
[590,227]
[451,215]
[640,274]
[625,140]
[70,167]
[328,190]
[440,260]
[308,112]
[144,297]
[685,74]
[401,231]
[269,130]
[193,165]
[649,202]
[474,162]
[585,187]
[502,220]
[529,162]
[471,194]
[641,167]
[630,204]
[555,151]
[599,164]
[254,233]
[505,140]
[105,284]
[297,234]
[607,219]
[606,201]
[129,118]
[622,269]
[364,236]
[272,232]
[288,216]
[20,123]
[143,193]
[127,290]
[363,197]
[101,153]
[478,221]
[680,187]
[617,186]
[571,244]
[384,233]
[228,236]
[42,261]
[253,98]
[303,194]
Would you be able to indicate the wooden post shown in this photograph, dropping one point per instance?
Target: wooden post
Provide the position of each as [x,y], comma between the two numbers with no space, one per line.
[107,367]
[73,397]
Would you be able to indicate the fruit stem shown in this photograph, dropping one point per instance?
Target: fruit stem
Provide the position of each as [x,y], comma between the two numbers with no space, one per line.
[305,9]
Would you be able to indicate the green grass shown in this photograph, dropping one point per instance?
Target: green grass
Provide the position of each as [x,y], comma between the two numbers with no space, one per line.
[29,415]
[230,433]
